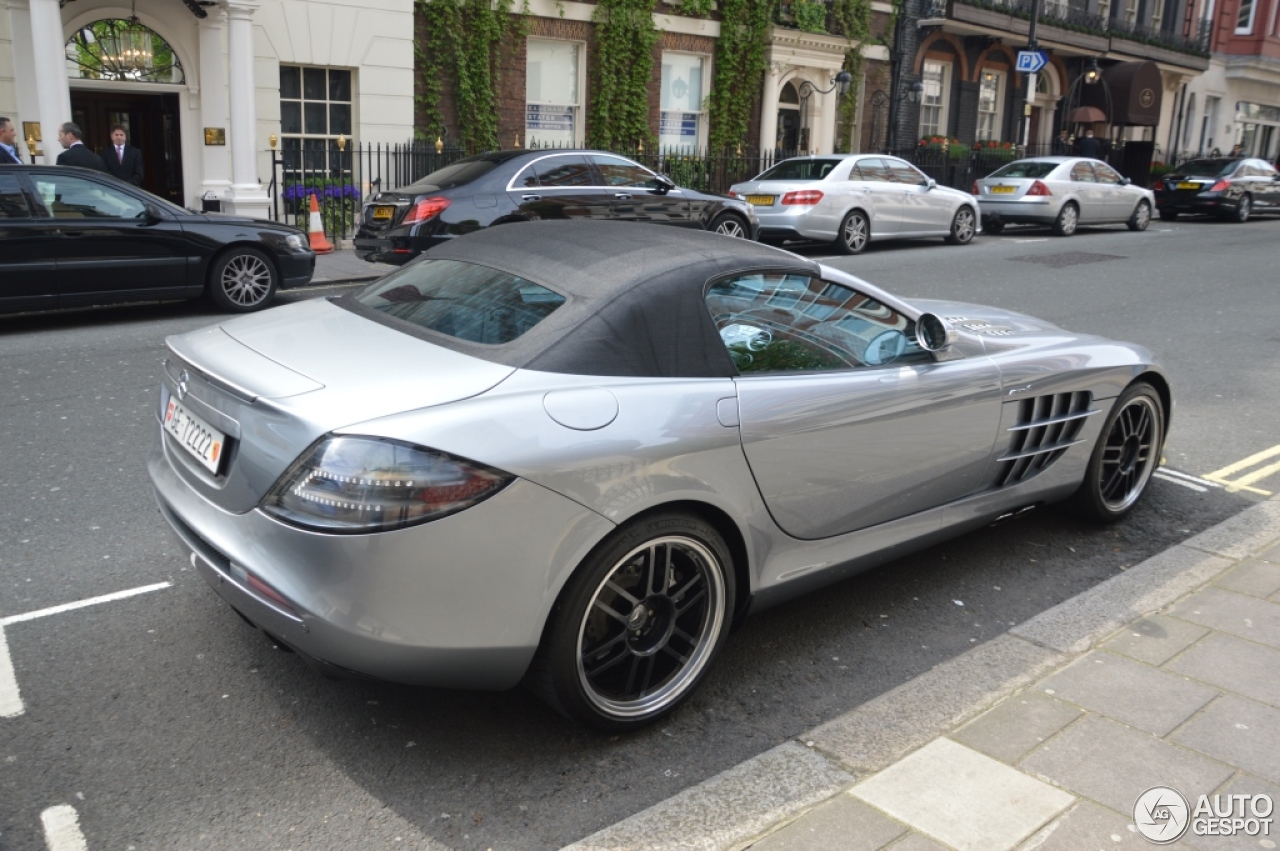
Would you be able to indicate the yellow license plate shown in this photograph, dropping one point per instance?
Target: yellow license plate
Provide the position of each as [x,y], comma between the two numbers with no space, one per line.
[761,200]
[1003,190]
[1185,185]
[383,214]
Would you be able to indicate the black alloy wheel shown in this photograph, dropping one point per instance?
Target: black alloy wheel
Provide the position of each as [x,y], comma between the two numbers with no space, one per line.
[637,627]
[854,233]
[1141,217]
[729,225]
[963,227]
[241,280]
[1068,218]
[1243,210]
[1127,453]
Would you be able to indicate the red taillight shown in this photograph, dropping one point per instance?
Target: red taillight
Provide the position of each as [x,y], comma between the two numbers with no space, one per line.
[1038,188]
[976,190]
[804,196]
[1219,186]
[426,209]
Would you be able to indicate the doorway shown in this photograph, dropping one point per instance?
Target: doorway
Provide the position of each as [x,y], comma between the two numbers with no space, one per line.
[152,124]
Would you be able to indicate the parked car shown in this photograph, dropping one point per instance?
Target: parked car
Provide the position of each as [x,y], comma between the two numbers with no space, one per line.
[574,453]
[75,237]
[1231,187]
[515,186]
[1061,193]
[853,200]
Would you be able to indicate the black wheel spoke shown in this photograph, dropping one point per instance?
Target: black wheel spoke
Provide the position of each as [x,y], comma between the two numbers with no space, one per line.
[621,592]
[599,604]
[685,606]
[670,651]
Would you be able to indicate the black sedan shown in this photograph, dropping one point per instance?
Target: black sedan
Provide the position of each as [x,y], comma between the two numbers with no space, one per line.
[1231,187]
[517,186]
[74,237]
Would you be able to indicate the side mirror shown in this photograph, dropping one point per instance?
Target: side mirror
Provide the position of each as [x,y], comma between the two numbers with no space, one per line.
[155,215]
[933,334]
[663,184]
[931,184]
[1124,181]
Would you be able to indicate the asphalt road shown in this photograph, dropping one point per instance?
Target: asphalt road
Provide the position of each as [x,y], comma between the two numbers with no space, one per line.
[167,723]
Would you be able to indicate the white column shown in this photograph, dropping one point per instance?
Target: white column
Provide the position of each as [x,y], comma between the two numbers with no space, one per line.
[827,135]
[53,95]
[247,195]
[769,113]
[213,104]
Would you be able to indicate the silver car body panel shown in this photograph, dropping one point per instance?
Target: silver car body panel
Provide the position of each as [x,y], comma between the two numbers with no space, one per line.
[1098,203]
[462,601]
[895,210]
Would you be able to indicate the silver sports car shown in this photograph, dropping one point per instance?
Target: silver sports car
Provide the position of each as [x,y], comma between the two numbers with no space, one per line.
[575,453]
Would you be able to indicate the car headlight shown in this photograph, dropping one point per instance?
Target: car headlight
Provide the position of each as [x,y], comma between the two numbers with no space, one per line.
[295,242]
[369,484]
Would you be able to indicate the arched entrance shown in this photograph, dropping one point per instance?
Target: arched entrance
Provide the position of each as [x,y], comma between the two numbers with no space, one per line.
[789,130]
[122,72]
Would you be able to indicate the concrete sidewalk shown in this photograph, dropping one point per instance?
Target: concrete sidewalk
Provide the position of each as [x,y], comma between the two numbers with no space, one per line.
[1167,675]
[343,267]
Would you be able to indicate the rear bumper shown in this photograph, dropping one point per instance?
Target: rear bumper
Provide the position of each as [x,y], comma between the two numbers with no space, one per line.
[1205,202]
[1035,211]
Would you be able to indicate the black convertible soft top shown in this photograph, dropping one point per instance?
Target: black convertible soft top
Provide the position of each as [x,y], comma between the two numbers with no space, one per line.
[634,295]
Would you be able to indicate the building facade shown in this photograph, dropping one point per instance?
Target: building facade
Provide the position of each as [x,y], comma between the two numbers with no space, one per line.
[203,86]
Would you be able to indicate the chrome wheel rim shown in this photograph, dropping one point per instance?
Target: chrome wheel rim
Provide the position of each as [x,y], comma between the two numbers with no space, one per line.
[964,226]
[1129,454]
[855,232]
[1143,217]
[246,280]
[730,227]
[1243,213]
[1069,218]
[651,627]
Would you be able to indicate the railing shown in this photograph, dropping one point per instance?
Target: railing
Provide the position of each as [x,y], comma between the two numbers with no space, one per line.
[1072,16]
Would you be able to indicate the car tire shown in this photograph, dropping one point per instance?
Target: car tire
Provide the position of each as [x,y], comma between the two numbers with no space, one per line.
[993,228]
[624,645]
[1141,217]
[242,280]
[963,227]
[1168,215]
[854,233]
[728,225]
[1068,219]
[1243,210]
[1127,453]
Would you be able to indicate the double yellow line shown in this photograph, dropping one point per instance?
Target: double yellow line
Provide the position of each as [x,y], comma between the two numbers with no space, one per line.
[1245,482]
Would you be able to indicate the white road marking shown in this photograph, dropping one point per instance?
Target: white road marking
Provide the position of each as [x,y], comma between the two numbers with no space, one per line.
[10,699]
[1042,239]
[1190,478]
[92,601]
[62,829]
[1191,485]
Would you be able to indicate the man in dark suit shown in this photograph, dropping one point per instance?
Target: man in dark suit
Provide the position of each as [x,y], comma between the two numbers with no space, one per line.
[8,138]
[76,152]
[122,160]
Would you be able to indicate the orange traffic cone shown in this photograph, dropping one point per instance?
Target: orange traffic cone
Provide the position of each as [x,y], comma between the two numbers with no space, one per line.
[319,244]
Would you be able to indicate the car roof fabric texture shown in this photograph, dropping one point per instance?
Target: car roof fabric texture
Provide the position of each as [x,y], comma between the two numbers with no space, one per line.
[634,295]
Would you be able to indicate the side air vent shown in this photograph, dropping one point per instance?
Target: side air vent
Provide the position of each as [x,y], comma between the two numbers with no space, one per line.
[1045,427]
[979,326]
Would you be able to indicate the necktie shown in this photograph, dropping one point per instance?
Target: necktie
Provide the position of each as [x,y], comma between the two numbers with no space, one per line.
[120,154]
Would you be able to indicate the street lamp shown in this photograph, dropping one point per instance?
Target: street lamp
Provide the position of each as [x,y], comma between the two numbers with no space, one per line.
[1093,74]
[913,92]
[839,83]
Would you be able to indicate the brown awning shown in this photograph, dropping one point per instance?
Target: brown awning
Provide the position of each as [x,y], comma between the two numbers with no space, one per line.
[1136,88]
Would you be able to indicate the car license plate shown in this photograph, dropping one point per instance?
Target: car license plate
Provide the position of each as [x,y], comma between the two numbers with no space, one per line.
[1185,185]
[383,213]
[1003,190]
[195,435]
[760,200]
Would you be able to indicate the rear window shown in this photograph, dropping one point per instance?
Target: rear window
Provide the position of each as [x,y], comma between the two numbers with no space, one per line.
[458,174]
[800,170]
[462,300]
[1215,168]
[1025,168]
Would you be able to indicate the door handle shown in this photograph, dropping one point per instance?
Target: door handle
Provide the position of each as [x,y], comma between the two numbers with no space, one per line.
[622,196]
[530,197]
[71,233]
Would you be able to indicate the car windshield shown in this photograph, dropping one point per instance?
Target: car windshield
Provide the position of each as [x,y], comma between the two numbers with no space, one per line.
[1025,168]
[805,169]
[1213,168]
[463,300]
[458,174]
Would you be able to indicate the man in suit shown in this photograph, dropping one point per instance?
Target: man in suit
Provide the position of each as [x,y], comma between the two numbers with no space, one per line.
[122,160]
[1090,146]
[8,136]
[76,153]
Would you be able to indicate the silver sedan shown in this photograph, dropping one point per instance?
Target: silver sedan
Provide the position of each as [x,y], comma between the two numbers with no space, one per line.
[1062,193]
[855,199]
[576,453]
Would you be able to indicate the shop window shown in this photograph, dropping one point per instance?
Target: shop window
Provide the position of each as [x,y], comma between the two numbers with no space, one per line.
[552,94]
[682,117]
